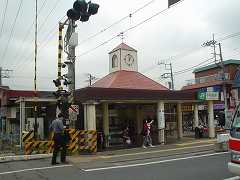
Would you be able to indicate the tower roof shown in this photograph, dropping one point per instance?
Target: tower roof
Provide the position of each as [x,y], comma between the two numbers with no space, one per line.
[123,46]
[128,80]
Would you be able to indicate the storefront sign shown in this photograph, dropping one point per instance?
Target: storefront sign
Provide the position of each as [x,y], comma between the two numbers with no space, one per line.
[212,95]
[218,106]
[208,95]
[201,95]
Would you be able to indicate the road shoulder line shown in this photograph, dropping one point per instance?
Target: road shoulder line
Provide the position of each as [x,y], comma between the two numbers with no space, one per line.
[154,162]
[35,169]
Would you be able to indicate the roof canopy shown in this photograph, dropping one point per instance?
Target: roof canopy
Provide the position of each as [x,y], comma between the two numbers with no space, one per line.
[115,94]
[128,80]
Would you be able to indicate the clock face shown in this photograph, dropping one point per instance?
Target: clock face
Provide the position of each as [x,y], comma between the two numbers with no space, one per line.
[129,59]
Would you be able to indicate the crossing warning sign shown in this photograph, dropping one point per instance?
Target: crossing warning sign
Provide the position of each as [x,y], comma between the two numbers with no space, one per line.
[73,112]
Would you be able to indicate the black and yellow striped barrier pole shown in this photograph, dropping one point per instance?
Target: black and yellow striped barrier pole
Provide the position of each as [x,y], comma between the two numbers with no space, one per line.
[60,49]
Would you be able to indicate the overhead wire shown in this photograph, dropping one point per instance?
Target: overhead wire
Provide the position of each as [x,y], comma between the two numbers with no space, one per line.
[117,22]
[28,33]
[128,29]
[4,17]
[184,54]
[51,11]
[26,58]
[172,57]
[12,31]
[40,27]
[192,67]
[134,12]
[49,36]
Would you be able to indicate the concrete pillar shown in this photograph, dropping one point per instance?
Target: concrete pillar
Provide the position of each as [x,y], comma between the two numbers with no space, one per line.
[139,124]
[211,128]
[106,123]
[139,120]
[161,122]
[85,116]
[180,123]
[89,116]
[196,120]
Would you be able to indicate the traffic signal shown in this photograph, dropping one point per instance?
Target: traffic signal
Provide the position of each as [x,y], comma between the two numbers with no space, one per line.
[82,10]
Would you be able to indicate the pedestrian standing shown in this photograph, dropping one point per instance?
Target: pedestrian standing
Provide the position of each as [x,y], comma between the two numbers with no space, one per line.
[59,139]
[147,140]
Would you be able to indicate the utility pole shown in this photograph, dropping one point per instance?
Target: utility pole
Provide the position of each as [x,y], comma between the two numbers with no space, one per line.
[220,63]
[91,78]
[169,74]
[35,76]
[4,73]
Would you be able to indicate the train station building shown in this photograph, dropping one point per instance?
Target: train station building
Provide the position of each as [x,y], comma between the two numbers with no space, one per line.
[124,97]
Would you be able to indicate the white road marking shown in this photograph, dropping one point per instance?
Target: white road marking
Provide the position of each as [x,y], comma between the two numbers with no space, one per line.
[35,169]
[155,162]
[155,151]
[233,178]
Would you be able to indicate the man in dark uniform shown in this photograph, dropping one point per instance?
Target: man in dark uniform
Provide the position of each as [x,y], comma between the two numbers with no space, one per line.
[59,139]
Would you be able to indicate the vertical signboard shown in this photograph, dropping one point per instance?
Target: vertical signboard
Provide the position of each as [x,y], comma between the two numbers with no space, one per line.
[161,120]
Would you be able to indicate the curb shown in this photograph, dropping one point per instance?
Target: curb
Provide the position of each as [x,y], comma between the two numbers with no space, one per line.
[23,157]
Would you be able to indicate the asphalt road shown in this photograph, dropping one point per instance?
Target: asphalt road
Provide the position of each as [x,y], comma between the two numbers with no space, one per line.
[206,165]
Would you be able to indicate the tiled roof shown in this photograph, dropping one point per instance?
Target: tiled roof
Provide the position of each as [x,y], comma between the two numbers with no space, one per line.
[230,61]
[123,46]
[128,80]
[201,85]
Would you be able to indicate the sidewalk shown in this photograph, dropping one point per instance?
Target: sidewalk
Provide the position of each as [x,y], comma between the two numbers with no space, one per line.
[185,143]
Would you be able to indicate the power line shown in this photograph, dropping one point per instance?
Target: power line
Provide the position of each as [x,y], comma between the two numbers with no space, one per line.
[193,67]
[117,22]
[28,32]
[49,36]
[4,17]
[105,42]
[133,27]
[28,58]
[40,27]
[51,11]
[184,54]
[12,30]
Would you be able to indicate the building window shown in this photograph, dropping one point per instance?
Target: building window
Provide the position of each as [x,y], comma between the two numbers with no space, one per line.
[114,61]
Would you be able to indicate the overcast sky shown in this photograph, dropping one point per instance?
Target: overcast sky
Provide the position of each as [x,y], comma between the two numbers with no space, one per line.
[175,36]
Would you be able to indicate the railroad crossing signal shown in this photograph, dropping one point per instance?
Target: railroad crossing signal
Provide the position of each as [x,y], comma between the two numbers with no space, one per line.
[171,2]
